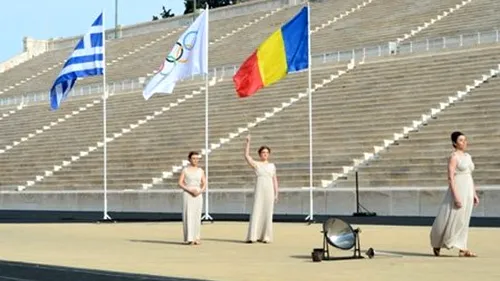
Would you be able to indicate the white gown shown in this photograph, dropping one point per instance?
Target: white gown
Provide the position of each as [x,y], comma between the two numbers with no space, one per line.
[451,226]
[192,206]
[261,218]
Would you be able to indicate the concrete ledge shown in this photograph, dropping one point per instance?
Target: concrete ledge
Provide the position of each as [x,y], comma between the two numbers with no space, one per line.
[235,203]
[21,216]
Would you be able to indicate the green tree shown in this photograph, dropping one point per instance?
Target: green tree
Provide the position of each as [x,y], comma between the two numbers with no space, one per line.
[165,14]
[200,4]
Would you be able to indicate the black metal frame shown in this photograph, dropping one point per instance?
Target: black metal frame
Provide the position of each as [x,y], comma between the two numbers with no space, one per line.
[358,213]
[356,251]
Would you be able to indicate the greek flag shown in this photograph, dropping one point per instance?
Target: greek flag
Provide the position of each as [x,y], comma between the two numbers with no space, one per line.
[87,59]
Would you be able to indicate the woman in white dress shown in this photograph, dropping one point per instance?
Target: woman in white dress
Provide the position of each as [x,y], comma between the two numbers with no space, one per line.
[451,226]
[192,181]
[265,195]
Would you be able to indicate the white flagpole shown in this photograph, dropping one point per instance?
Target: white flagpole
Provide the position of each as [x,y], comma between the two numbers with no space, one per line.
[310,218]
[206,216]
[104,121]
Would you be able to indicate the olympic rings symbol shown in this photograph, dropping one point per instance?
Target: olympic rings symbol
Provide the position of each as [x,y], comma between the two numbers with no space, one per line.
[190,40]
[177,53]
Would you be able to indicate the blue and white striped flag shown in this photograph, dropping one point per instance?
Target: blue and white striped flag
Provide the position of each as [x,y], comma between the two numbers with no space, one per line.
[87,59]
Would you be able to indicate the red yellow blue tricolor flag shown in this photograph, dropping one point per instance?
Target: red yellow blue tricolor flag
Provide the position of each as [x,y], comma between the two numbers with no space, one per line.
[285,51]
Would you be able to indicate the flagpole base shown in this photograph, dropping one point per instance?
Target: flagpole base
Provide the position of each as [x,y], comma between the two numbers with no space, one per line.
[309,219]
[206,217]
[106,219]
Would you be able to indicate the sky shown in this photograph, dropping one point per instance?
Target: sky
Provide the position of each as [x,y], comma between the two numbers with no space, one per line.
[44,19]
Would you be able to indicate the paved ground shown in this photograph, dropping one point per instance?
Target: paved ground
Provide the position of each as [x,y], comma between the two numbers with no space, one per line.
[154,249]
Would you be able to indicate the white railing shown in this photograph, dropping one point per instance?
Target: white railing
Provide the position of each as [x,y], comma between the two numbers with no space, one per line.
[416,46]
[124,86]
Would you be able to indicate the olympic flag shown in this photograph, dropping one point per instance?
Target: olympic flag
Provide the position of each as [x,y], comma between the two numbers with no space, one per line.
[188,57]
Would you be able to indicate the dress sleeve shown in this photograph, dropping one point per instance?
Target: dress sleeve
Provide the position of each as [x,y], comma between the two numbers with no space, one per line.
[184,172]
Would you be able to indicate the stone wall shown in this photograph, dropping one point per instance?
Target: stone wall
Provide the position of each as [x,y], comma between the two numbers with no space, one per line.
[31,48]
[336,201]
[38,46]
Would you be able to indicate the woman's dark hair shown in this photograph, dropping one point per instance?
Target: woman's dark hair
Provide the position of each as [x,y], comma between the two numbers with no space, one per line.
[454,137]
[191,154]
[264,147]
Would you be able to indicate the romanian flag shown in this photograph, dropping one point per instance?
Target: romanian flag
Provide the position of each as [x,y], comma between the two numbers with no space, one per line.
[285,51]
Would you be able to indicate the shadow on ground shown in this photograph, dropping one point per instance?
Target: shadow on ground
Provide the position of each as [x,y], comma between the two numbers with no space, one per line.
[39,272]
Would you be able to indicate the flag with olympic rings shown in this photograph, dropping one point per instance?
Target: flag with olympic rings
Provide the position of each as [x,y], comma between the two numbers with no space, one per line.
[188,57]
